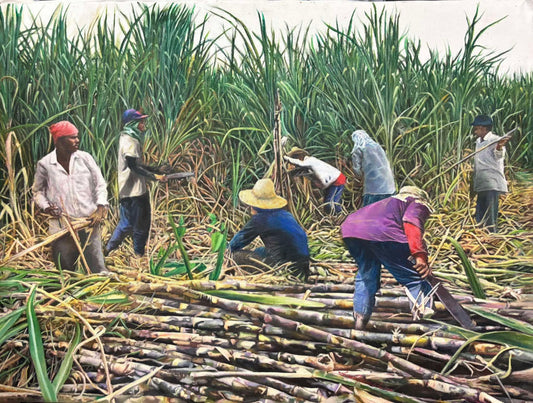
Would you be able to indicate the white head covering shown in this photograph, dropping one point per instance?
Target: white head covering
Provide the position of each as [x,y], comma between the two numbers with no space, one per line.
[360,139]
[416,193]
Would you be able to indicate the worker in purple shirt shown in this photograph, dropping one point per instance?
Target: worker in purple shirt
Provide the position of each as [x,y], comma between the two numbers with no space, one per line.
[284,239]
[389,232]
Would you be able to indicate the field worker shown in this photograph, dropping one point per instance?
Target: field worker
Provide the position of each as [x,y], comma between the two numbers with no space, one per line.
[489,179]
[135,211]
[69,185]
[370,163]
[389,232]
[325,176]
[284,239]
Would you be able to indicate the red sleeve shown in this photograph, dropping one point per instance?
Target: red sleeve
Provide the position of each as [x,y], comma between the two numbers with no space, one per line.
[415,239]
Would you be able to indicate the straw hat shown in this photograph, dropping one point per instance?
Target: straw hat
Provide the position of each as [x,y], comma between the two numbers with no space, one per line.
[262,196]
[297,152]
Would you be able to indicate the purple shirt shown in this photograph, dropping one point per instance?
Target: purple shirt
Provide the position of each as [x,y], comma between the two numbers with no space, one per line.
[383,221]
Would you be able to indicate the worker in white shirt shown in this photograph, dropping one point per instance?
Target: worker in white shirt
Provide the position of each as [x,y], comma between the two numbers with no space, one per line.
[326,177]
[69,185]
[489,177]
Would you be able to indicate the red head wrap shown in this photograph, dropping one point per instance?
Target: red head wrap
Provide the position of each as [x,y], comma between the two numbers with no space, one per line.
[61,129]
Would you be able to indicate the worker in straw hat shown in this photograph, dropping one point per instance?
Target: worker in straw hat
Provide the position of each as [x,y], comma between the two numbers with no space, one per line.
[389,232]
[325,176]
[69,186]
[284,239]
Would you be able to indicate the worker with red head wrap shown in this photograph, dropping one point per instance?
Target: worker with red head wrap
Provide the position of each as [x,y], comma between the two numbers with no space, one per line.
[69,187]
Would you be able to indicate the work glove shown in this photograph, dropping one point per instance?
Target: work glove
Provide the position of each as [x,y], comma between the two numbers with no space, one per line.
[98,216]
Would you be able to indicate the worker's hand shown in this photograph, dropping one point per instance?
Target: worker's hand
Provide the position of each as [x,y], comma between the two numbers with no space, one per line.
[421,266]
[53,210]
[502,142]
[98,216]
[160,178]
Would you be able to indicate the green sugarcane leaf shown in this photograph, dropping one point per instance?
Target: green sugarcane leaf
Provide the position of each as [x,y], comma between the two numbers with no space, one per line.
[13,332]
[7,322]
[68,359]
[515,324]
[508,338]
[216,239]
[264,299]
[180,268]
[215,274]
[471,275]
[112,297]
[37,351]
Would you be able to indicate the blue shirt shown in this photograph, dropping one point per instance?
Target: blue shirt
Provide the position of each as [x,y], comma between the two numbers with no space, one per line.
[284,239]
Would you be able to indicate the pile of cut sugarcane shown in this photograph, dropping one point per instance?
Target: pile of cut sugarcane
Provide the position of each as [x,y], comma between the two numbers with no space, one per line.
[133,334]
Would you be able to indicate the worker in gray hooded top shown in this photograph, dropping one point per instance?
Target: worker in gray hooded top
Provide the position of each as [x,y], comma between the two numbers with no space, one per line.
[371,164]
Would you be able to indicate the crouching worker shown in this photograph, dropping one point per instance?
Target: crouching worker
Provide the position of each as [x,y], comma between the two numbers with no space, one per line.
[325,176]
[69,186]
[389,233]
[284,239]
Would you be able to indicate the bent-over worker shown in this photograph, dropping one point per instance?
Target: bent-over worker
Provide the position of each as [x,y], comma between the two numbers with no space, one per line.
[326,177]
[388,232]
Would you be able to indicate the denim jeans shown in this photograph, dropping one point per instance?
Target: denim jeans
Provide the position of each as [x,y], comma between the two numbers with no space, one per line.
[487,209]
[135,218]
[369,199]
[369,256]
[332,198]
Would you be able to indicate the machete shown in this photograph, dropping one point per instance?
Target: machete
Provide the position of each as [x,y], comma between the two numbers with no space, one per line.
[451,304]
[179,175]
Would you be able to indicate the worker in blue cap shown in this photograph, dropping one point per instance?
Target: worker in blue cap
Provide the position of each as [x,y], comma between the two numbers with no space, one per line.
[489,177]
[135,211]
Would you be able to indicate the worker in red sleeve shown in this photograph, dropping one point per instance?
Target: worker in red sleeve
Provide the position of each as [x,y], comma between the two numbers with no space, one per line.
[325,176]
[389,233]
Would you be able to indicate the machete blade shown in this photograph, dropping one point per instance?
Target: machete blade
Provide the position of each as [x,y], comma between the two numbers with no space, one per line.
[451,304]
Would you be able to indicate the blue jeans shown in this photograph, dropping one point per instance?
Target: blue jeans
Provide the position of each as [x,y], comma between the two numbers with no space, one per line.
[369,199]
[369,256]
[487,209]
[332,198]
[135,218]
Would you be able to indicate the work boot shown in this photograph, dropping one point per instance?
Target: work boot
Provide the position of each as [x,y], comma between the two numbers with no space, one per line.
[360,321]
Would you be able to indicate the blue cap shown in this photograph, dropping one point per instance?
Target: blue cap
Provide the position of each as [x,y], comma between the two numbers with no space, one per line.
[482,120]
[132,114]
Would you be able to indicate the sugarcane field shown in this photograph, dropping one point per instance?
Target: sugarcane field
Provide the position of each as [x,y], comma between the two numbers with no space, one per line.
[211,203]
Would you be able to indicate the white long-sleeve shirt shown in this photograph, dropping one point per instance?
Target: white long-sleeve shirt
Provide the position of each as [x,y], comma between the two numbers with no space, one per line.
[77,193]
[489,166]
[371,163]
[324,172]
